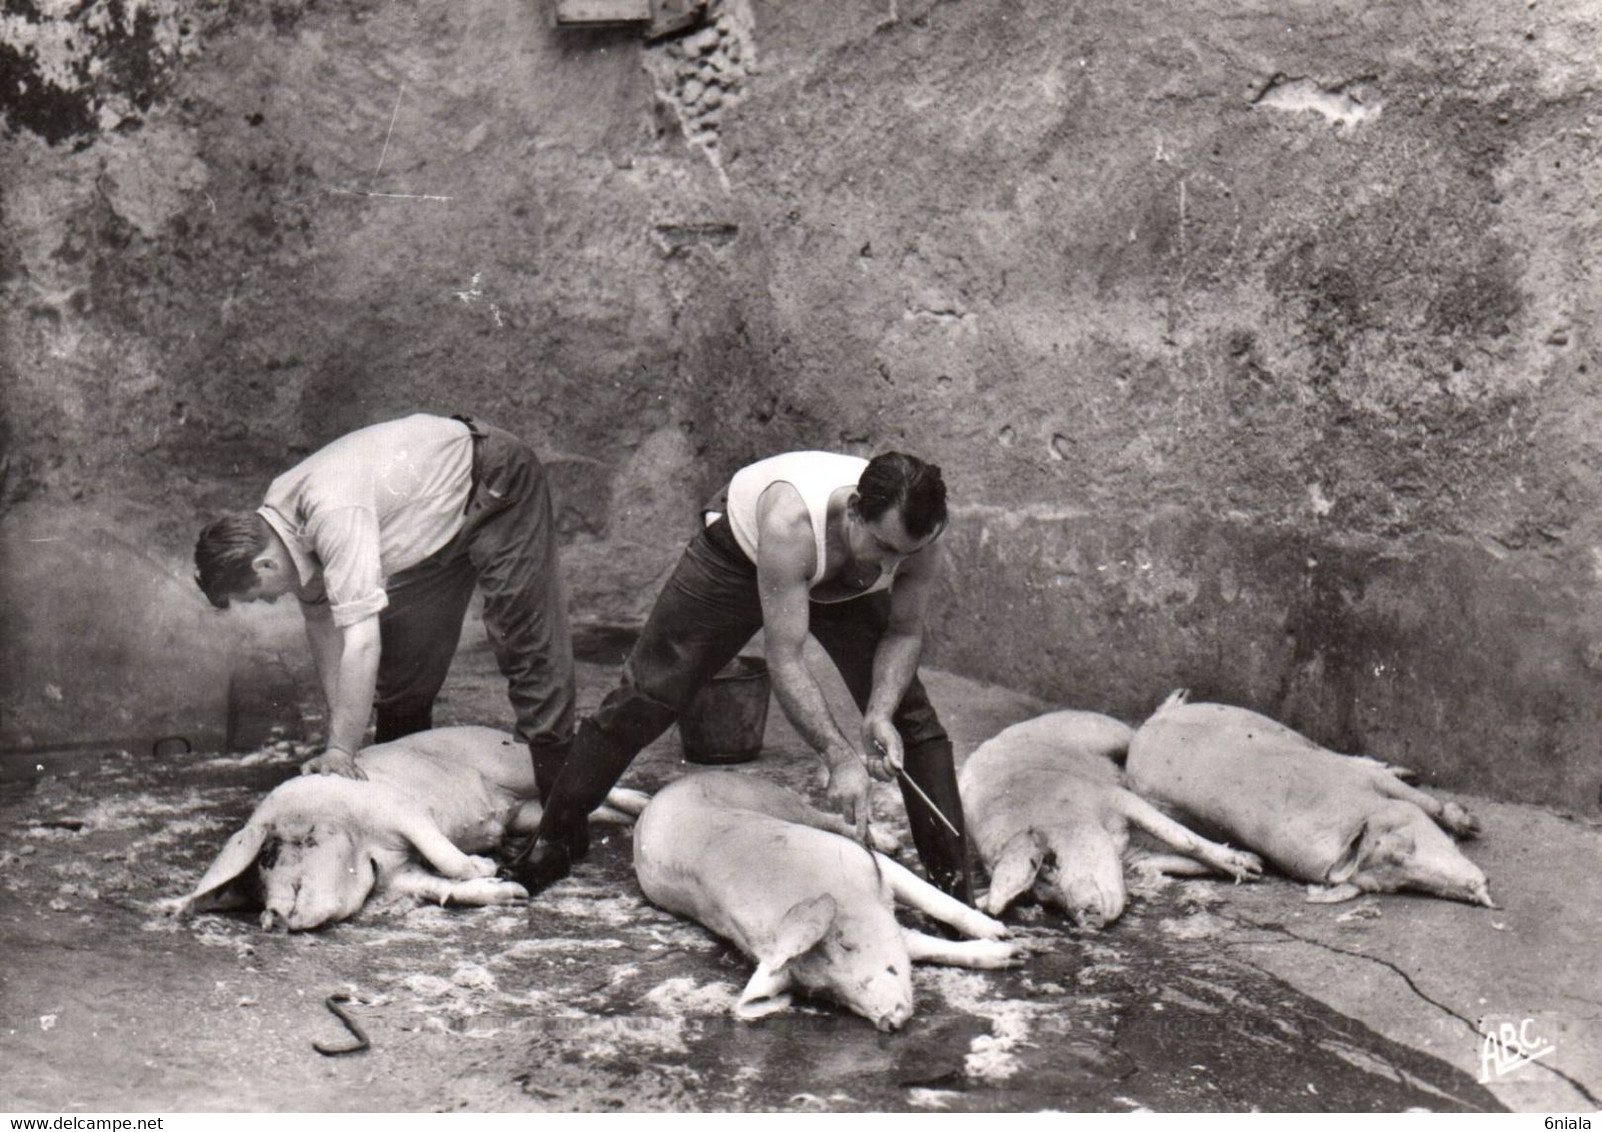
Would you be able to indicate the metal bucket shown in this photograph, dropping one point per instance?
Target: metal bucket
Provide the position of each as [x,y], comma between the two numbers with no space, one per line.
[725,721]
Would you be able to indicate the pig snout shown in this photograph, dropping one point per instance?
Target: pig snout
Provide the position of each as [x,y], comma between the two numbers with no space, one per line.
[890,1023]
[885,997]
[888,1005]
[1091,906]
[1085,876]
[871,975]
[314,878]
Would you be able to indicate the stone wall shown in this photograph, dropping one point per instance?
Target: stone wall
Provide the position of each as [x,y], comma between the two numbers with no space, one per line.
[1255,339]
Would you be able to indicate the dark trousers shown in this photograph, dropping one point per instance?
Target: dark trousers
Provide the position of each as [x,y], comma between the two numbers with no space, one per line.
[705,614]
[507,547]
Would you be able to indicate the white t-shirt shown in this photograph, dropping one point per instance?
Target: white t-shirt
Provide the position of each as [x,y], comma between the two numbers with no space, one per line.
[369,505]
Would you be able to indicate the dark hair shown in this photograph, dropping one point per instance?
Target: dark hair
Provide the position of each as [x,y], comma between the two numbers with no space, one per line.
[894,479]
[225,555]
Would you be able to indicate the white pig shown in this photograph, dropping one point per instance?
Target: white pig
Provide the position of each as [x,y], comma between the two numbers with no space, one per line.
[319,845]
[1047,811]
[1346,824]
[785,884]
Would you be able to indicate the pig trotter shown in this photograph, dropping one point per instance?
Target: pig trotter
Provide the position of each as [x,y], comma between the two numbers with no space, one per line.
[1457,820]
[979,954]
[1239,864]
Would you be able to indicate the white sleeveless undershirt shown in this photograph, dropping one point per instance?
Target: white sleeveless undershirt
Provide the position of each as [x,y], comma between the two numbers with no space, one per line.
[816,476]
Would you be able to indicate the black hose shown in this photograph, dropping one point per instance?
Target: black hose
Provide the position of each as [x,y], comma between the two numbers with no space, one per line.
[333,1002]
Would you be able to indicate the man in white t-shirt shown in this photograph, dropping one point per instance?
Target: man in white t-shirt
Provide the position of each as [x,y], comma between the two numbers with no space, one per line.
[807,543]
[382,535]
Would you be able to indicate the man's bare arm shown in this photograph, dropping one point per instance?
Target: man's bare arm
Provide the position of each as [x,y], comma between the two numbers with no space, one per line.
[785,562]
[352,703]
[323,636]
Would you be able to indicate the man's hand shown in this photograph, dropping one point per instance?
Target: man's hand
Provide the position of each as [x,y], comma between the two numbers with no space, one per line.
[883,742]
[334,761]
[847,791]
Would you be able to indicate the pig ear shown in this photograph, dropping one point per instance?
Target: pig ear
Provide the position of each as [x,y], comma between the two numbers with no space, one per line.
[237,855]
[1015,870]
[799,932]
[763,995]
[1350,859]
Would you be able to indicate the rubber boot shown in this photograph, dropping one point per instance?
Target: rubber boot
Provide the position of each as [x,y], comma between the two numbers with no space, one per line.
[548,759]
[563,839]
[944,854]
[402,720]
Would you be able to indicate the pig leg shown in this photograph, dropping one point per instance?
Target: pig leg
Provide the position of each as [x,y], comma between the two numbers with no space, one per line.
[883,840]
[1169,864]
[427,838]
[804,814]
[1231,862]
[918,893]
[770,799]
[526,818]
[415,882]
[629,803]
[1388,768]
[1448,815]
[979,953]
[621,808]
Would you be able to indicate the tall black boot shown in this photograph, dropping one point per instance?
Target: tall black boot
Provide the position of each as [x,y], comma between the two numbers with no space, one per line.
[402,720]
[562,840]
[548,759]
[944,854]
[590,772]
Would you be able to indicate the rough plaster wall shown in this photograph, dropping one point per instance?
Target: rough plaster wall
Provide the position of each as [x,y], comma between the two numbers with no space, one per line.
[1255,340]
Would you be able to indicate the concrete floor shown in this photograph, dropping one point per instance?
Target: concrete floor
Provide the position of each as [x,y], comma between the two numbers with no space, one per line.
[1205,996]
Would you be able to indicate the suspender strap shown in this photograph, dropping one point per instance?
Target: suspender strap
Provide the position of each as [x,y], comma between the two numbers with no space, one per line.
[478,436]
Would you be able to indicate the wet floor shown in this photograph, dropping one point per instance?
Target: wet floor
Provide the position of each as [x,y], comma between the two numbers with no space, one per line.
[590,998]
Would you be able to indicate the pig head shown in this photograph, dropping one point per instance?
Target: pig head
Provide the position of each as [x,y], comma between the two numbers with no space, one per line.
[1079,869]
[306,857]
[1038,797]
[760,867]
[1348,823]
[1398,847]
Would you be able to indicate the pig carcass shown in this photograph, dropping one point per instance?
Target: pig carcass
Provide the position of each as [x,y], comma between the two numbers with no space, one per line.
[1048,812]
[1344,823]
[787,885]
[318,846]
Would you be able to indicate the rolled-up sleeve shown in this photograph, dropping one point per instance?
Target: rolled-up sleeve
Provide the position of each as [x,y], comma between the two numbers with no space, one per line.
[345,540]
